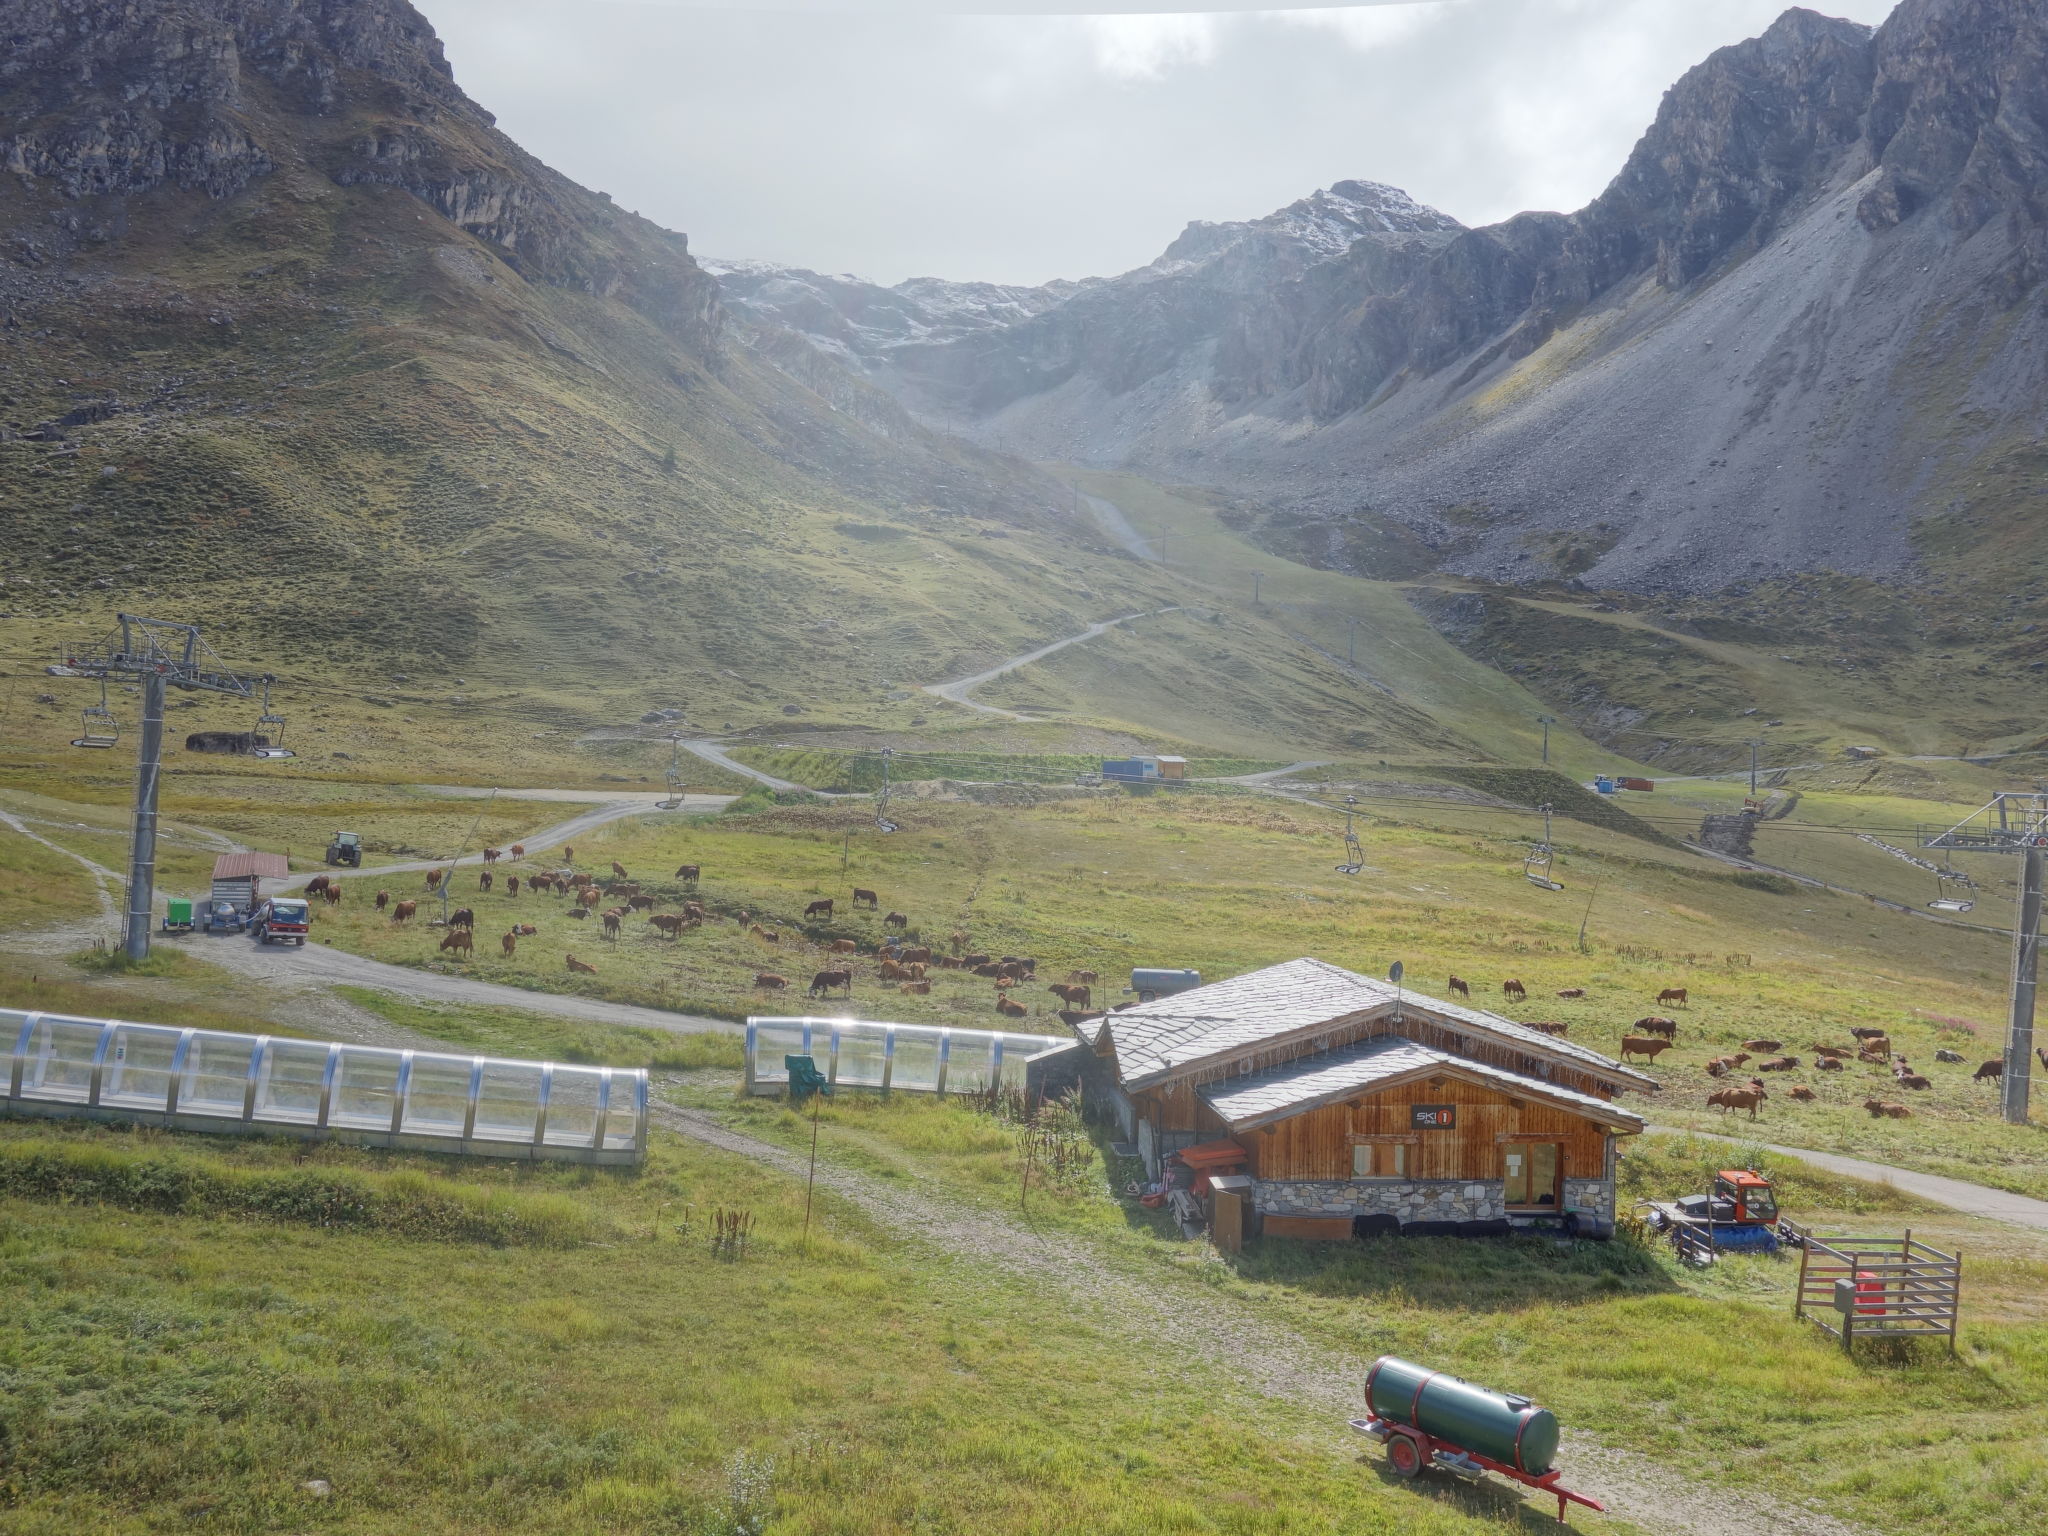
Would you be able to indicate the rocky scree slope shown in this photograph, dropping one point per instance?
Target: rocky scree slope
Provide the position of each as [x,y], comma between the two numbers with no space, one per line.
[292,339]
[1804,329]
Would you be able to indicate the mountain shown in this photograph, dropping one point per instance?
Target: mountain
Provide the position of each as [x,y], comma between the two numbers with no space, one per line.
[294,341]
[1802,330]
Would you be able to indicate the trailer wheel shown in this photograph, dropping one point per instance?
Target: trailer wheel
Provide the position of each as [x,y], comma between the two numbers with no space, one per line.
[1404,1456]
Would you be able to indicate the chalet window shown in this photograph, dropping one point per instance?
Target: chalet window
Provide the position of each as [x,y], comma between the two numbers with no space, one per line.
[1379,1160]
[1531,1173]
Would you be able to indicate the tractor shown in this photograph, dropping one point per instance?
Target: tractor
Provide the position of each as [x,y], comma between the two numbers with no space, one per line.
[1739,1215]
[347,848]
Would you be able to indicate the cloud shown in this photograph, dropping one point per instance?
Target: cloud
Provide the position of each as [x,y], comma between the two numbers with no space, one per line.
[1146,47]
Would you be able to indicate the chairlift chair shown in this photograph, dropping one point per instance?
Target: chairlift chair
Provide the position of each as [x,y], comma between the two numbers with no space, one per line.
[1536,868]
[98,728]
[1954,891]
[1354,852]
[268,718]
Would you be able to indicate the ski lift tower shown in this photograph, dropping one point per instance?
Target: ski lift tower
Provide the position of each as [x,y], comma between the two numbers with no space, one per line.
[155,653]
[2012,823]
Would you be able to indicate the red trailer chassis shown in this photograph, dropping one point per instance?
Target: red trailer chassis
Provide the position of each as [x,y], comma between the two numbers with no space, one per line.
[1409,1450]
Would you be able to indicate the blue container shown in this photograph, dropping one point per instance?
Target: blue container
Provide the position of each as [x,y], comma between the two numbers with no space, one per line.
[1604,785]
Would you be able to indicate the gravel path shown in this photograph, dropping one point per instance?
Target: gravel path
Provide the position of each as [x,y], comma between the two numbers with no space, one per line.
[1167,1320]
[713,753]
[957,691]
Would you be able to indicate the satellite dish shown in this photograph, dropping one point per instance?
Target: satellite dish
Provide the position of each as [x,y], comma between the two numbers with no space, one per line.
[1394,973]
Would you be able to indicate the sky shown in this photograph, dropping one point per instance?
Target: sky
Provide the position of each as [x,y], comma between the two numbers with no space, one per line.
[905,138]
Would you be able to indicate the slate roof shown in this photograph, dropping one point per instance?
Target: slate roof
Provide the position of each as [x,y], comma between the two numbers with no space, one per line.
[1160,1039]
[1280,1092]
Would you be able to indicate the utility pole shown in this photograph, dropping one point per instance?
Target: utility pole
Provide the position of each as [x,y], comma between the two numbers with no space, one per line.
[1255,589]
[2013,823]
[157,654]
[1351,654]
[1546,721]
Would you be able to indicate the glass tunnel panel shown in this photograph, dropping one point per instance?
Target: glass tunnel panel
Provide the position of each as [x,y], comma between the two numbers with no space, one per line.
[773,1040]
[572,1107]
[58,1062]
[288,1081]
[863,1052]
[438,1104]
[968,1062]
[216,1074]
[916,1068]
[509,1100]
[137,1073]
[365,1089]
[622,1125]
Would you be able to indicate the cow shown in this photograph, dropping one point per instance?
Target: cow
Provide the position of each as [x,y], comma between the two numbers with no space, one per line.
[332,895]
[1652,1025]
[580,967]
[1673,995]
[687,872]
[1868,1034]
[1827,1064]
[895,920]
[1642,1045]
[492,855]
[768,981]
[1460,985]
[1880,1110]
[2044,1057]
[579,913]
[1912,1080]
[509,942]
[511,885]
[1718,1067]
[619,871]
[519,850]
[916,954]
[1072,996]
[1009,1009]
[1729,1099]
[825,981]
[462,917]
[458,938]
[959,940]
[589,896]
[318,884]
[525,930]
[1833,1050]
[694,909]
[1763,1046]
[433,879]
[1952,1058]
[383,900]
[1081,978]
[484,879]
[568,854]
[539,881]
[402,913]
[969,962]
[1992,1071]
[1572,992]
[988,968]
[1778,1064]
[947,962]
[916,988]
[1513,988]
[667,922]
[640,904]
[771,935]
[1800,1092]
[843,947]
[611,923]
[818,909]
[863,898]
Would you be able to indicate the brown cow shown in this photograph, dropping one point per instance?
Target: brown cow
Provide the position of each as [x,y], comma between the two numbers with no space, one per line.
[509,942]
[1765,1046]
[589,896]
[1992,1071]
[1460,985]
[1827,1064]
[818,909]
[640,904]
[458,938]
[492,855]
[694,909]
[771,935]
[971,961]
[1642,1045]
[863,898]
[383,900]
[687,872]
[915,954]
[988,968]
[947,963]
[1513,988]
[843,947]
[1800,1092]
[1948,1057]
[1073,997]
[1573,992]
[484,879]
[768,981]
[332,895]
[959,940]
[525,930]
[1912,1080]
[580,967]
[1009,1009]
[916,988]
[1778,1064]
[1881,1110]
[318,884]
[511,885]
[1828,1050]
[433,879]
[619,871]
[895,920]
[519,850]
[539,881]
[667,922]
[579,913]
[1673,995]
[1868,1034]
[611,923]
[825,981]
[1718,1067]
[402,913]
[1653,1025]
[1725,1099]
[1082,978]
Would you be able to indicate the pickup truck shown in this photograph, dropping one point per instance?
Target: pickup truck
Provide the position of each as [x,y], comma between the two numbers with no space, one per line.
[285,918]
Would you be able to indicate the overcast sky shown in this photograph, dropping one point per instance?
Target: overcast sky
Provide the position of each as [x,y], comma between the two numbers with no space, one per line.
[898,138]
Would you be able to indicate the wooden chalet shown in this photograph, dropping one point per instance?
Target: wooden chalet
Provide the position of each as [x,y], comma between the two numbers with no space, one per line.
[1352,1099]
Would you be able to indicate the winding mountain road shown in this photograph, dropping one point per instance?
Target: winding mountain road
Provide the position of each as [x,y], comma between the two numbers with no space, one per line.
[957,691]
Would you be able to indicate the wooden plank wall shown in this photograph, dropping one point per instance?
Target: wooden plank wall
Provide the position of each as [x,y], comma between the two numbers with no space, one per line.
[1317,1145]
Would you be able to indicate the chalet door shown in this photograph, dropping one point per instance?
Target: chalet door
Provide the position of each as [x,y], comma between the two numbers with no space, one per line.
[1530,1170]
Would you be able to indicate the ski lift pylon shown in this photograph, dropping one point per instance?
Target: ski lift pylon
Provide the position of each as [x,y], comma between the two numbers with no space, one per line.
[1354,851]
[98,728]
[1536,868]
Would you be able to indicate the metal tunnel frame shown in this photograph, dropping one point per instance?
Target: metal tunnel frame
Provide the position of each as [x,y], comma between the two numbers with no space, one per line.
[864,1053]
[58,1066]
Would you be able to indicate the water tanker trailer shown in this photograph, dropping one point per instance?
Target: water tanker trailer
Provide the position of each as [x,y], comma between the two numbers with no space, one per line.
[1425,1418]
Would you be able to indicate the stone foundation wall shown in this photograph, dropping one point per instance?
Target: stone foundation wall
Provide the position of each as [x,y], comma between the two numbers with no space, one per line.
[1407,1199]
[1590,1195]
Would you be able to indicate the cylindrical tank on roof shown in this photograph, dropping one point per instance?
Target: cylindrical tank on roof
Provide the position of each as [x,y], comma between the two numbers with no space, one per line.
[1500,1426]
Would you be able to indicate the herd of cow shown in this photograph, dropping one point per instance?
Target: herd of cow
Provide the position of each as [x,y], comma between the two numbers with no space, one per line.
[1873,1047]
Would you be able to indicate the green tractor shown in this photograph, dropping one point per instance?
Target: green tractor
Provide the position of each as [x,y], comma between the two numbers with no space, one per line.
[347,848]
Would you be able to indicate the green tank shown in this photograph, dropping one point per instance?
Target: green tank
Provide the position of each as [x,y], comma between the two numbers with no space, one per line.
[1504,1428]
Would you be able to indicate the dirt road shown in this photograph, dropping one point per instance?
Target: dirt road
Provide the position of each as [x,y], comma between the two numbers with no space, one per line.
[956,691]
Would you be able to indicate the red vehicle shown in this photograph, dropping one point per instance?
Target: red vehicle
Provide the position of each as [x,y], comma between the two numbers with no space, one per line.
[285,918]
